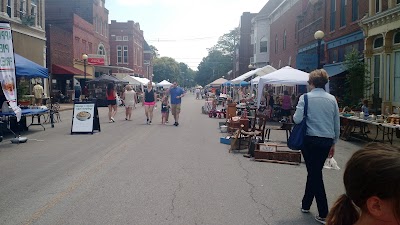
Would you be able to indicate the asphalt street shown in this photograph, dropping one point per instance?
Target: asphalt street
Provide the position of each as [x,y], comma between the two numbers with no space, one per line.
[133,173]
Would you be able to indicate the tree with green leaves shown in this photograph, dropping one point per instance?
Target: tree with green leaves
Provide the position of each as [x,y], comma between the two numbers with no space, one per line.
[227,43]
[357,80]
[219,60]
[212,67]
[154,51]
[166,68]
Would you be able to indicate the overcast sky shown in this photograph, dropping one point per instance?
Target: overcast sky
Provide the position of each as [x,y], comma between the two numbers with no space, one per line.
[183,29]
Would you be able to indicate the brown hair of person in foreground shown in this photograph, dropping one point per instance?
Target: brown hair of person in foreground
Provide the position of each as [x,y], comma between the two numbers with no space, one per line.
[372,184]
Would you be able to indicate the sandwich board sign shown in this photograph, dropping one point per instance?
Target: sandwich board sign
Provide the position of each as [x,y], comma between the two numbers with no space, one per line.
[85,118]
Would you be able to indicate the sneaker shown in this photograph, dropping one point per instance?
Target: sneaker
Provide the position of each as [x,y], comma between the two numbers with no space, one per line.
[149,122]
[175,123]
[112,119]
[304,210]
[320,219]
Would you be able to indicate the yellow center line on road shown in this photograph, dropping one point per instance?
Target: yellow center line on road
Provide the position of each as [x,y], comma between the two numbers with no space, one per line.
[112,153]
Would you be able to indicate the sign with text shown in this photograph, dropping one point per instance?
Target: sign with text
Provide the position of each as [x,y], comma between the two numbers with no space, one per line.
[7,68]
[84,117]
[306,62]
[98,60]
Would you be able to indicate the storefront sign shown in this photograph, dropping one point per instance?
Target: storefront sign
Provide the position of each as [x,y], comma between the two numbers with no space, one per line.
[306,62]
[85,118]
[96,60]
[7,68]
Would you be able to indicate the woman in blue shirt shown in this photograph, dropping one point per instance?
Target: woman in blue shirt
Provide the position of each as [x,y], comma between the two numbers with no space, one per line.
[323,128]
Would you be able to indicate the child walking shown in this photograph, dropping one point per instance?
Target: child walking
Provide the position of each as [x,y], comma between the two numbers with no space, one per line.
[164,109]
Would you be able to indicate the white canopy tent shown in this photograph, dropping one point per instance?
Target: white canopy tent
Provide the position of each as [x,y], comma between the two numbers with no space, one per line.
[164,84]
[265,70]
[284,76]
[132,80]
[218,82]
[245,76]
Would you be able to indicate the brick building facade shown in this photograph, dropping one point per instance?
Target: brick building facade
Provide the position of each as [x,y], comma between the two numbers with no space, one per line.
[283,45]
[127,42]
[74,28]
[244,50]
[311,19]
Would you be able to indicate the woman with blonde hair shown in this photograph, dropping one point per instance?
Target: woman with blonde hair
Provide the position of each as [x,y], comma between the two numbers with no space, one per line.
[150,98]
[323,128]
[372,188]
[129,98]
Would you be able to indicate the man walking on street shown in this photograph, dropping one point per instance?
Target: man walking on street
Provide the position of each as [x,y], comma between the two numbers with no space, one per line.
[176,94]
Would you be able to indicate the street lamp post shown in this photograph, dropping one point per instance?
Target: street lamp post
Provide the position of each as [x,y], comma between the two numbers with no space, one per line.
[251,67]
[85,58]
[319,35]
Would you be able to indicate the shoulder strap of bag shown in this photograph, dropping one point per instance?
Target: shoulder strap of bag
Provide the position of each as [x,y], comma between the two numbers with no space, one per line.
[305,105]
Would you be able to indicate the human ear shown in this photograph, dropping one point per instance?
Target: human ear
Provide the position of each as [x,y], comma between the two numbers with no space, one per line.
[375,206]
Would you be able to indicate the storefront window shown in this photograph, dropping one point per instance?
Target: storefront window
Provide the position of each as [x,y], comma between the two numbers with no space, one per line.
[397,77]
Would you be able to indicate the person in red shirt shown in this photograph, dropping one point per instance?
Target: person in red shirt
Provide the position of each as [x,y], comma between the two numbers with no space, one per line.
[111,95]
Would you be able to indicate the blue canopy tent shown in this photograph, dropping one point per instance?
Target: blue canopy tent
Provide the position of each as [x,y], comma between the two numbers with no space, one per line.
[29,69]
[241,84]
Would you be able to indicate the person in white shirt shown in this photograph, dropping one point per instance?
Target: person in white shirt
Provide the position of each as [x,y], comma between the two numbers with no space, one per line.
[38,93]
[129,98]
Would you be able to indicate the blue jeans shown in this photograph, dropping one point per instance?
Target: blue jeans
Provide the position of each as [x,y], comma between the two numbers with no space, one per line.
[315,152]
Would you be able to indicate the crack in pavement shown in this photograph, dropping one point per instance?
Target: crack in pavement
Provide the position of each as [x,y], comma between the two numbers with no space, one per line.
[251,193]
[172,208]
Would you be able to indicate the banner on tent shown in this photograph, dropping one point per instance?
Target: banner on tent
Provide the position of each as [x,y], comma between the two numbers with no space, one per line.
[7,68]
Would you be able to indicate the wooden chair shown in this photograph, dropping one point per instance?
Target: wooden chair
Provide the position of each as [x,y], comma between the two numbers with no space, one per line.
[258,127]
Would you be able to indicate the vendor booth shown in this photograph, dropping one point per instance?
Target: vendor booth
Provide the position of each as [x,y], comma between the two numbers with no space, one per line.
[164,84]
[284,76]
[98,88]
[25,70]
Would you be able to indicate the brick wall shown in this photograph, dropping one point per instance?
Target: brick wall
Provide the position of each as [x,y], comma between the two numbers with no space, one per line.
[245,47]
[83,37]
[135,45]
[59,42]
[309,21]
[350,26]
[287,23]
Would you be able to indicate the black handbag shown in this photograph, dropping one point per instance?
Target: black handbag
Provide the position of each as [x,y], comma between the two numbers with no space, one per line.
[296,139]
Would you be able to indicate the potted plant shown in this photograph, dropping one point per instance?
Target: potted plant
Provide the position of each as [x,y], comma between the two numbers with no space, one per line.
[22,91]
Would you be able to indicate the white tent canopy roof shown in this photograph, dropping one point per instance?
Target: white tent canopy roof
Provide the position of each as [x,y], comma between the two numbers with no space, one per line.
[244,76]
[284,76]
[164,84]
[265,70]
[137,80]
[218,82]
[132,80]
[262,72]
